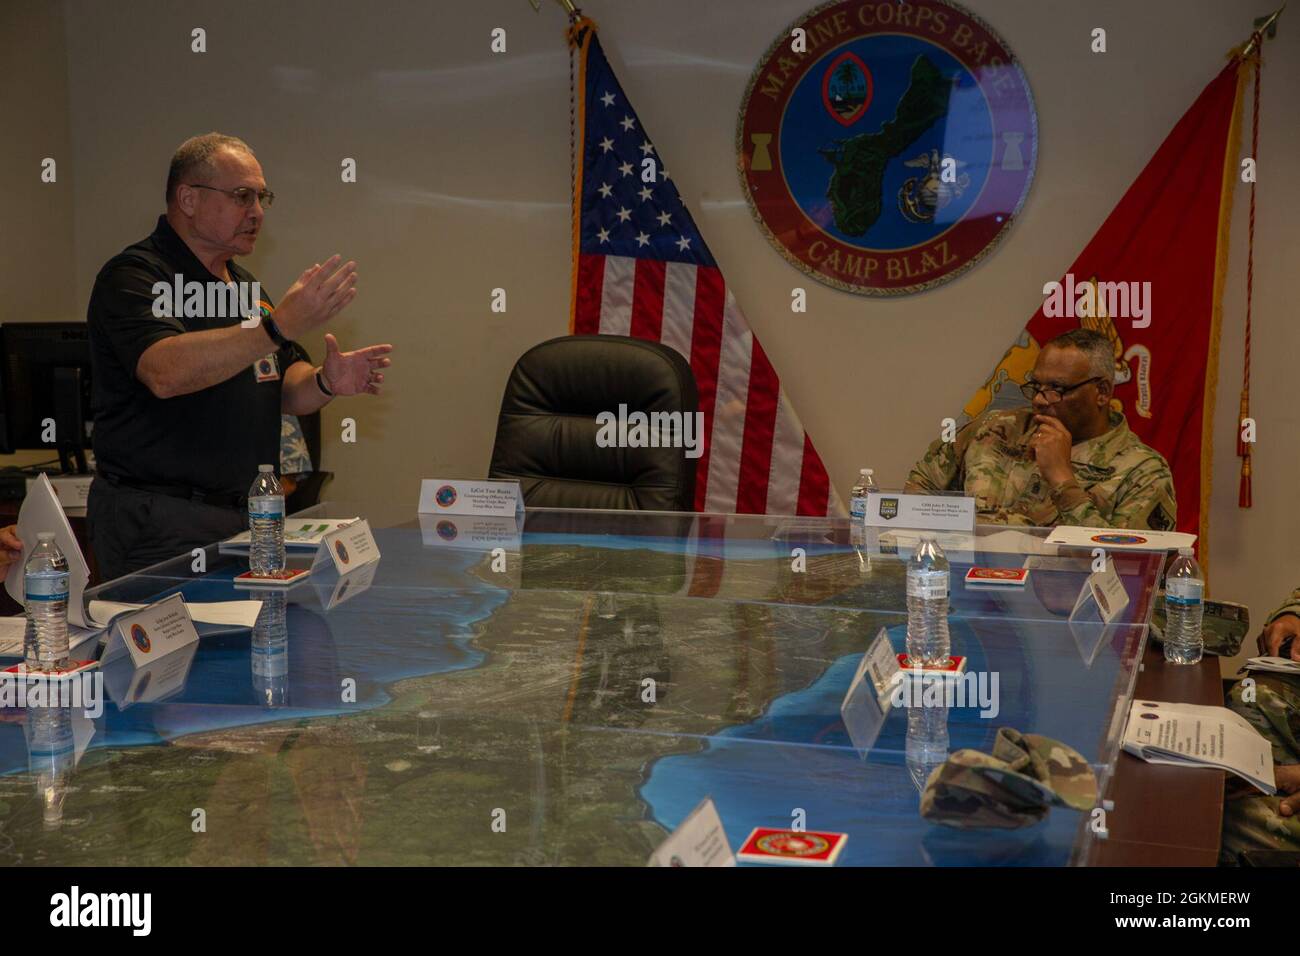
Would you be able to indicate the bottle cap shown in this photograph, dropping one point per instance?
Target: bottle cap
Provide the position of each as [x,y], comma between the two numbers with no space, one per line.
[864,471]
[868,471]
[45,536]
[266,468]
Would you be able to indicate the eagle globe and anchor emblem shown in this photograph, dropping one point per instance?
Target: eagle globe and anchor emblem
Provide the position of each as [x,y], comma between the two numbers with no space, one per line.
[891,149]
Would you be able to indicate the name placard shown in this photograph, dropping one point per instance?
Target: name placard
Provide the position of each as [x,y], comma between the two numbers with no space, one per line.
[474,497]
[923,512]
[1105,589]
[348,548]
[73,491]
[472,532]
[158,680]
[347,586]
[154,631]
[869,697]
[698,841]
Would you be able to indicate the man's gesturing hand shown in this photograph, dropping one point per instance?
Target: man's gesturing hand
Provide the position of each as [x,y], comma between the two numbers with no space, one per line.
[351,373]
[320,293]
[1051,445]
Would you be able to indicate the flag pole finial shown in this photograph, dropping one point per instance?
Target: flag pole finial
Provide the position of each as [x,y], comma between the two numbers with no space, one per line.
[568,6]
[1264,26]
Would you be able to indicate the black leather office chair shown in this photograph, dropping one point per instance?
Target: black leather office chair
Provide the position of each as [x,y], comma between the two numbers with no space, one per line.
[546,432]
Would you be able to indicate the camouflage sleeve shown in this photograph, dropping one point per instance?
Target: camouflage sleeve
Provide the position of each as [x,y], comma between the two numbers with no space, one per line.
[937,469]
[1144,500]
[1290,606]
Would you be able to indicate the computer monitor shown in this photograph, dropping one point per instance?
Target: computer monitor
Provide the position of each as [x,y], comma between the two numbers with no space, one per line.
[44,381]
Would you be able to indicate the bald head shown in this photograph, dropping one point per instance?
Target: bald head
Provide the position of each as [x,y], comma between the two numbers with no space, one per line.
[195,160]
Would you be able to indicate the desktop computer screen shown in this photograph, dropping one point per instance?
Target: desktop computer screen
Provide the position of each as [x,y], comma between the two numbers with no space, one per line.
[45,389]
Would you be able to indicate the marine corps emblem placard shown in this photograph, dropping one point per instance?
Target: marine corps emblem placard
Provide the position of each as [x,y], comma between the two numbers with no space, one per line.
[886,147]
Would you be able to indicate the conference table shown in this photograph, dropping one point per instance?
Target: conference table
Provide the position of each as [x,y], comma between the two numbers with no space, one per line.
[565,687]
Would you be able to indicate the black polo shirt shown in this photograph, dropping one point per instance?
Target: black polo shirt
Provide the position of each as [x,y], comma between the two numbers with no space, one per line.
[211,440]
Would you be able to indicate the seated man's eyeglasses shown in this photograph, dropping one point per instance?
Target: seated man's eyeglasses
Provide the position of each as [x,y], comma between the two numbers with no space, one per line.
[243,195]
[1051,392]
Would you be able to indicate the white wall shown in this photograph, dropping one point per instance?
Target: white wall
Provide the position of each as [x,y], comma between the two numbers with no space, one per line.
[463,161]
[36,231]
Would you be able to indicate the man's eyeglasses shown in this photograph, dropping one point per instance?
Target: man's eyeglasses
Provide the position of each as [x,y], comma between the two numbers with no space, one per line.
[243,195]
[1052,393]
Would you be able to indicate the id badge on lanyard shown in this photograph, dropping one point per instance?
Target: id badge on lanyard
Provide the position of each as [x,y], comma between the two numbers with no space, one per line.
[267,368]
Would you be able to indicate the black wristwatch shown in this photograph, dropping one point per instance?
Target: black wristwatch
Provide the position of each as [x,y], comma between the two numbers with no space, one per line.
[273,330]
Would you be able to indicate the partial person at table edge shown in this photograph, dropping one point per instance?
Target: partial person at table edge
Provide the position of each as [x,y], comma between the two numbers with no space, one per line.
[188,397]
[1283,625]
[11,549]
[1252,821]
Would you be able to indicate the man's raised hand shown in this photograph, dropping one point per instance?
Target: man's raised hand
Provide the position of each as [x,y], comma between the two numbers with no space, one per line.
[352,373]
[320,293]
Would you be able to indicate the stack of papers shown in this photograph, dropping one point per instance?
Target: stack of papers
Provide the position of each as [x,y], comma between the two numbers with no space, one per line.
[12,630]
[1192,735]
[1274,665]
[229,613]
[1120,538]
[298,533]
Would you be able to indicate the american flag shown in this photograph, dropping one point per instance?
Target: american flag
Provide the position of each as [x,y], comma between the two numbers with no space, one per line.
[641,268]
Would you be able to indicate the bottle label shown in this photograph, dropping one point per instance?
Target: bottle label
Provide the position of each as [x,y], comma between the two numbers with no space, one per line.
[857,507]
[46,587]
[268,506]
[927,585]
[1185,592]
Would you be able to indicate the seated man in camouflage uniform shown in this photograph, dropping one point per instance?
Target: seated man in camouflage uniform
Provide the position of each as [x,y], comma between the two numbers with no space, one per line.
[1252,820]
[1068,459]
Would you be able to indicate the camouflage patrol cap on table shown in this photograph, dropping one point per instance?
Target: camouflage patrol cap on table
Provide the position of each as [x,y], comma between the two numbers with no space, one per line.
[1013,787]
[1223,625]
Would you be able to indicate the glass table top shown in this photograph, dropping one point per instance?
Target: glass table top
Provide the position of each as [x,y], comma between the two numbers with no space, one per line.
[564,689]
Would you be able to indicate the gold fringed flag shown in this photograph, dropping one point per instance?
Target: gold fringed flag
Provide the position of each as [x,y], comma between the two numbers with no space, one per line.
[1151,280]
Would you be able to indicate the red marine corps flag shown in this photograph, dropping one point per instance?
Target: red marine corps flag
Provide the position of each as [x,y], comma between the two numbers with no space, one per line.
[641,268]
[1151,280]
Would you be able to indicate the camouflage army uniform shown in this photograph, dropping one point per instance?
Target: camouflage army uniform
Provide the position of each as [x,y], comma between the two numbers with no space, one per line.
[1251,820]
[1118,481]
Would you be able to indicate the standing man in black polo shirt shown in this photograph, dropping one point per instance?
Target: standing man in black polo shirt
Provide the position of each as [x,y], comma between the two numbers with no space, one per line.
[189,387]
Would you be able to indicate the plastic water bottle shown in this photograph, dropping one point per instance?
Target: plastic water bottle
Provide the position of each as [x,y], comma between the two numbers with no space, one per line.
[270,652]
[927,743]
[266,523]
[46,590]
[864,486]
[52,755]
[928,643]
[1184,607]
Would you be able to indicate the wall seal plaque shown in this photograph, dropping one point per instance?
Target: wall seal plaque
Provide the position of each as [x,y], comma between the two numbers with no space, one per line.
[888,148]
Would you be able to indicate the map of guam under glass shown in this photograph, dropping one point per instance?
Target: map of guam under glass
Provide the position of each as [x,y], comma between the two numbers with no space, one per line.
[886,147]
